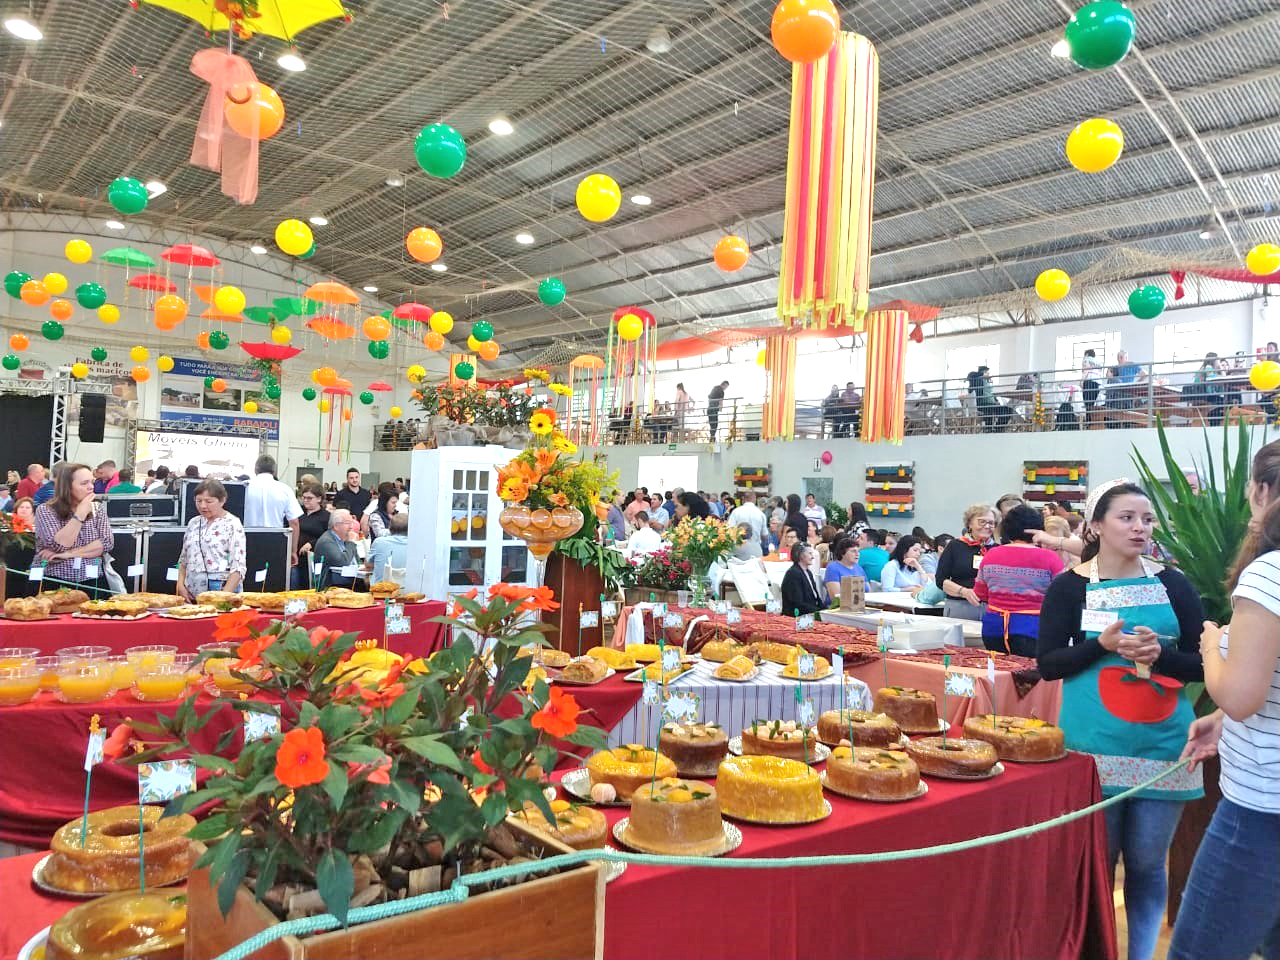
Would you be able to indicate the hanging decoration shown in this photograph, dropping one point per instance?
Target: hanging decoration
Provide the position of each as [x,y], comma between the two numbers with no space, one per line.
[217,146]
[52,330]
[280,334]
[585,372]
[779,415]
[98,354]
[109,313]
[79,370]
[551,291]
[308,393]
[91,295]
[1263,260]
[190,255]
[329,291]
[140,374]
[416,373]
[884,400]
[219,340]
[433,340]
[202,339]
[78,251]
[1053,285]
[1095,145]
[1265,375]
[19,342]
[61,309]
[598,197]
[804,30]
[442,322]
[293,237]
[14,281]
[412,313]
[128,257]
[164,363]
[482,330]
[1147,303]
[440,150]
[1100,34]
[631,367]
[379,349]
[331,328]
[424,244]
[253,110]
[34,294]
[825,274]
[488,350]
[152,282]
[11,361]
[731,253]
[377,328]
[55,283]
[170,310]
[127,195]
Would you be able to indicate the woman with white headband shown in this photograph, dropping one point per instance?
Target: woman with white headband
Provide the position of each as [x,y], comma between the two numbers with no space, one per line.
[1123,633]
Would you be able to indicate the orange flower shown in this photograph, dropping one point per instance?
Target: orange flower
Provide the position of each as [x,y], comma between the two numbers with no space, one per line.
[540,599]
[233,625]
[322,638]
[377,773]
[513,489]
[559,717]
[114,746]
[508,591]
[602,511]
[300,758]
[393,674]
[548,412]
[457,610]
[558,500]
[379,699]
[251,651]
[479,763]
[22,525]
[545,459]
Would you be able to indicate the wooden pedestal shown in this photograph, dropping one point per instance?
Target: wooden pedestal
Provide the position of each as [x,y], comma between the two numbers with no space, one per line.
[574,585]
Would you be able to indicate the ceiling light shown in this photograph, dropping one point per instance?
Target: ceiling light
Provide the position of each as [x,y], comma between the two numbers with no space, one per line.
[641,199]
[114,225]
[155,188]
[524,238]
[501,126]
[289,60]
[370,288]
[659,40]
[439,267]
[1061,49]
[318,221]
[258,248]
[23,29]
[395,180]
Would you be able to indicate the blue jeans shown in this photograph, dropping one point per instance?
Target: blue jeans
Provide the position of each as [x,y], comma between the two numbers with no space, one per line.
[1231,906]
[1141,830]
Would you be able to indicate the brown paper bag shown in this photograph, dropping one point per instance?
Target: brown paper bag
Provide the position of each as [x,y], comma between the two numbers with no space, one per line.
[851,594]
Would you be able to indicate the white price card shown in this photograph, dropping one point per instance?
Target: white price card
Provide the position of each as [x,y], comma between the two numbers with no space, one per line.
[77,562]
[659,609]
[609,609]
[295,607]
[395,611]
[772,606]
[260,726]
[719,607]
[350,570]
[804,713]
[804,622]
[1096,621]
[672,620]
[733,615]
[136,570]
[958,684]
[398,626]
[36,573]
[171,574]
[837,663]
[806,665]
[317,568]
[682,706]
[91,570]
[589,618]
[670,659]
[650,692]
[93,750]
[260,576]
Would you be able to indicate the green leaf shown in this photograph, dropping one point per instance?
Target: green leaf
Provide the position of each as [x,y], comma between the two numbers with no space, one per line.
[494,809]
[335,784]
[206,761]
[267,873]
[230,881]
[223,852]
[189,801]
[335,882]
[400,710]
[356,753]
[211,827]
[380,833]
[431,749]
[308,714]
[587,736]
[404,796]
[337,720]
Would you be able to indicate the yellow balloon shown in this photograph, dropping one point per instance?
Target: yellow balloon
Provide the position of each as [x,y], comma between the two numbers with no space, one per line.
[294,237]
[598,197]
[630,327]
[1263,260]
[761,357]
[1095,145]
[139,354]
[281,334]
[472,343]
[416,372]
[78,251]
[108,313]
[1053,285]
[1265,375]
[164,363]
[325,405]
[79,370]
[395,411]
[441,322]
[55,283]
[250,406]
[229,300]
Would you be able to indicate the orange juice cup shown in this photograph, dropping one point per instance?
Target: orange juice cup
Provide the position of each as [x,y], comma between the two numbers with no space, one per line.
[18,656]
[187,663]
[165,681]
[84,653]
[84,681]
[145,658]
[121,672]
[19,684]
[48,669]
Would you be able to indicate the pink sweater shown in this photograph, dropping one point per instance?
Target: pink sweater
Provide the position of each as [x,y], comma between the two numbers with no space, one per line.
[1015,578]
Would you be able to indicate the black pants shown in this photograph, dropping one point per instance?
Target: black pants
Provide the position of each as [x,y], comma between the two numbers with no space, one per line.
[713,421]
[994,416]
[1089,390]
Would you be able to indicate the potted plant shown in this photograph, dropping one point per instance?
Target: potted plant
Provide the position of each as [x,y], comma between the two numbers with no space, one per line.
[656,576]
[702,541]
[386,779]
[15,535]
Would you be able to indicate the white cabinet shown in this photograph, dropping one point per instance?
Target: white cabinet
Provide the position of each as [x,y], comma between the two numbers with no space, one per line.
[455,542]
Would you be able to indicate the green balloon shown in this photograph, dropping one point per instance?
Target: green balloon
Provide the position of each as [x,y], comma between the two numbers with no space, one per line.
[464,370]
[127,195]
[482,330]
[52,330]
[272,391]
[551,291]
[440,150]
[379,349]
[308,393]
[11,361]
[311,252]
[91,295]
[1146,303]
[13,281]
[208,383]
[366,397]
[219,340]
[98,354]
[1101,34]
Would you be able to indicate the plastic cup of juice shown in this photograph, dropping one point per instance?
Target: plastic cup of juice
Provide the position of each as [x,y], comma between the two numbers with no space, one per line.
[18,656]
[121,672]
[19,684]
[187,663]
[165,681]
[83,653]
[148,656]
[48,669]
[84,681]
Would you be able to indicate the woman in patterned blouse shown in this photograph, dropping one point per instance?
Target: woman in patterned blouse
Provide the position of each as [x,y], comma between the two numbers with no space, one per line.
[213,548]
[71,536]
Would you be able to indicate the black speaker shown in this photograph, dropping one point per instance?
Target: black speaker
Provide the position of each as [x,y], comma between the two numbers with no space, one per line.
[93,417]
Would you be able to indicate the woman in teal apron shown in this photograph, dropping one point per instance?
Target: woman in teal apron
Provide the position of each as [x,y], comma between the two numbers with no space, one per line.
[1123,633]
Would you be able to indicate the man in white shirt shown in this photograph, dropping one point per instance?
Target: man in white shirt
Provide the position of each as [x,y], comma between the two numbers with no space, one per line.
[161,483]
[645,539]
[814,511]
[749,514]
[270,503]
[659,519]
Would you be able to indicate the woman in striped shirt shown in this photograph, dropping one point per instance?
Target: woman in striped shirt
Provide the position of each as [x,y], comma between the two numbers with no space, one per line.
[1231,906]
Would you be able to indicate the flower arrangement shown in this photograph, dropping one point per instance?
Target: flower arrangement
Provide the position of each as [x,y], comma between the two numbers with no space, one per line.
[659,570]
[703,541]
[380,766]
[15,532]
[499,406]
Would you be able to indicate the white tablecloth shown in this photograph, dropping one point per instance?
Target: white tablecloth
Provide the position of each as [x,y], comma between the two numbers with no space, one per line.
[967,633]
[900,600]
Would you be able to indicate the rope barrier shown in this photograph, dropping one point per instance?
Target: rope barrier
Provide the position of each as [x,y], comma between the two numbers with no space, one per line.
[459,890]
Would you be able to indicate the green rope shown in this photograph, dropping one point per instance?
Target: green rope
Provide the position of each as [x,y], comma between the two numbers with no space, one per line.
[459,890]
[66,583]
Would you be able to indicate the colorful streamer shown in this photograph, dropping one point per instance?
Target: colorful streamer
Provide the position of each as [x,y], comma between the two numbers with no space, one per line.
[780,405]
[884,400]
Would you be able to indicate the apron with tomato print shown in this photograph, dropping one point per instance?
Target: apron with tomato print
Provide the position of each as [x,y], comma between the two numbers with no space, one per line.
[1133,727]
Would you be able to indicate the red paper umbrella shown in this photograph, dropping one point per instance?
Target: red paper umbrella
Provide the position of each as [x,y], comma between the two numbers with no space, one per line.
[338,390]
[645,316]
[326,291]
[153,282]
[270,351]
[190,255]
[331,328]
[380,386]
[413,311]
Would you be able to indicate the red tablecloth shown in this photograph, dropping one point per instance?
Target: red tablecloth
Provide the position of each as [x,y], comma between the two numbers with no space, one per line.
[603,705]
[1047,897]
[65,631]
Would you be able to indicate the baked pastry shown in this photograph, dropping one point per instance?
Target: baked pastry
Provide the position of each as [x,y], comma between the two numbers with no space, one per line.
[868,729]
[871,773]
[255,598]
[647,652]
[412,597]
[626,768]
[618,659]
[155,601]
[556,659]
[27,608]
[821,668]
[675,816]
[349,599]
[956,758]
[108,861]
[654,671]
[222,599]
[188,611]
[696,748]
[737,668]
[585,670]
[575,825]
[722,651]
[270,602]
[773,651]
[770,790]
[1024,739]
[149,926]
[915,711]
[779,738]
[384,589]
[114,607]
[65,599]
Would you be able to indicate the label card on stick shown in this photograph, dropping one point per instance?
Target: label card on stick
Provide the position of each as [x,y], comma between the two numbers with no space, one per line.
[260,726]
[1097,620]
[162,781]
[958,684]
[837,661]
[660,609]
[171,574]
[672,620]
[670,659]
[650,692]
[589,618]
[682,706]
[395,611]
[773,606]
[91,570]
[806,665]
[93,750]
[317,568]
[77,563]
[350,570]
[804,622]
[135,570]
[399,626]
[295,607]
[804,713]
[609,610]
[733,615]
[260,576]
[35,574]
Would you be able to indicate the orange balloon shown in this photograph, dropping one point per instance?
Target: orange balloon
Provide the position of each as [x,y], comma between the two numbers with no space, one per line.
[60,309]
[731,253]
[254,111]
[140,374]
[376,328]
[19,342]
[219,385]
[346,414]
[202,340]
[166,324]
[34,294]
[488,350]
[804,30]
[433,340]
[326,376]
[170,309]
[423,244]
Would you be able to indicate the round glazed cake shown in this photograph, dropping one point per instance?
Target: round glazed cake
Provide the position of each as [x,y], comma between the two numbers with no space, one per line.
[675,816]
[1024,739]
[770,790]
[108,861]
[149,926]
[779,738]
[868,729]
[872,773]
[915,711]
[575,825]
[696,748]
[956,758]
[626,768]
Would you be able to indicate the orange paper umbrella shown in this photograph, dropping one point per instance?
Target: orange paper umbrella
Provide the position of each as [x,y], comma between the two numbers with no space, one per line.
[213,313]
[331,328]
[342,382]
[327,291]
[205,292]
[153,282]
[190,255]
[587,361]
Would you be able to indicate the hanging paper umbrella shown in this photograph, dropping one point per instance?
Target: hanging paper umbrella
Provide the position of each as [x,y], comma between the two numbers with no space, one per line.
[296,307]
[327,291]
[259,314]
[205,292]
[331,328]
[412,311]
[342,382]
[281,20]
[190,255]
[213,313]
[337,390]
[153,282]
[380,386]
[269,351]
[128,257]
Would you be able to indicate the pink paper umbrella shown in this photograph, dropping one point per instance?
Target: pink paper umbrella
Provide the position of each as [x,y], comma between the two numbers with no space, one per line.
[380,386]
